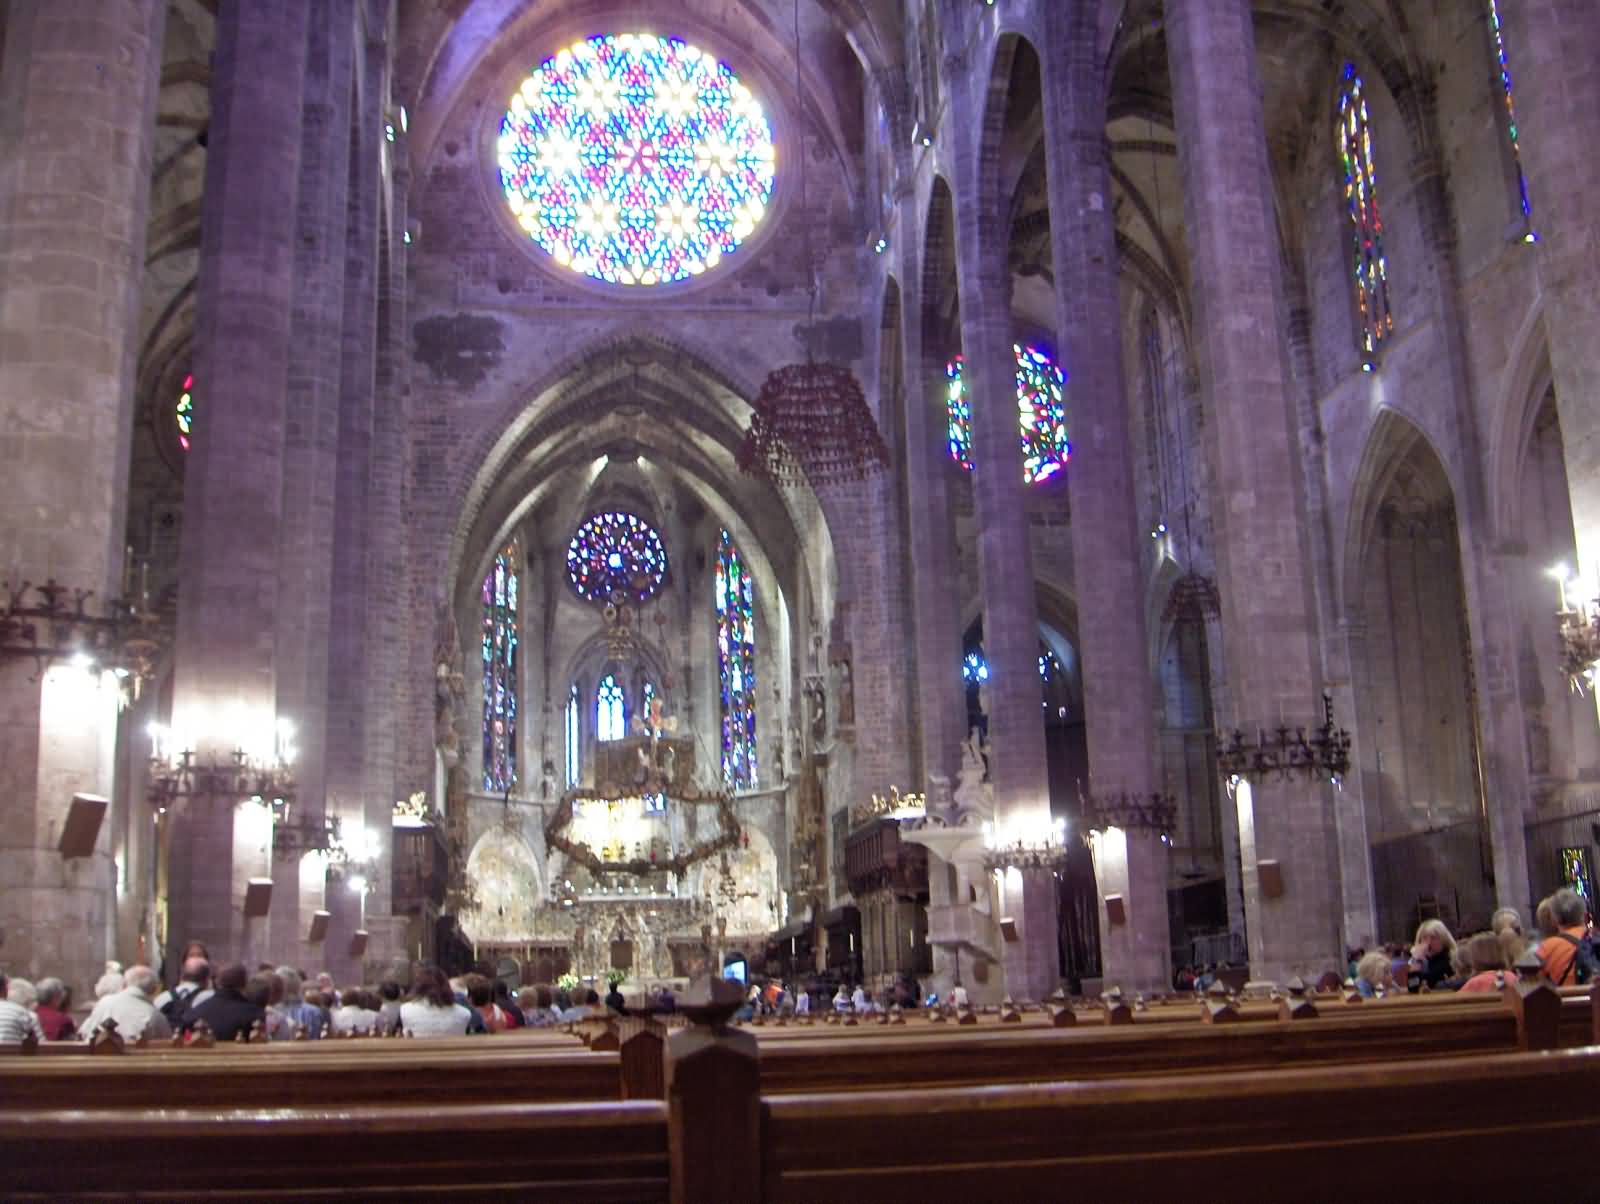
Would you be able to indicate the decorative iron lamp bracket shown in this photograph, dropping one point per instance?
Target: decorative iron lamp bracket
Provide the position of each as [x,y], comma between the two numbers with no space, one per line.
[1156,813]
[1286,752]
[59,625]
[237,782]
[305,834]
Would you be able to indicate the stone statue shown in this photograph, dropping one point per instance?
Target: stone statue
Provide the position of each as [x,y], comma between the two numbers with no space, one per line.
[847,695]
[973,792]
[449,688]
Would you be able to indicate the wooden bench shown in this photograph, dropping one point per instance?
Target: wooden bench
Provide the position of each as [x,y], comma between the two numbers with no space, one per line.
[1302,1134]
[725,1132]
[420,1150]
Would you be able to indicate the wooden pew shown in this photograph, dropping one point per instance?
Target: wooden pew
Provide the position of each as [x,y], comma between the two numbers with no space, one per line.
[420,1150]
[445,1072]
[954,1058]
[1289,1134]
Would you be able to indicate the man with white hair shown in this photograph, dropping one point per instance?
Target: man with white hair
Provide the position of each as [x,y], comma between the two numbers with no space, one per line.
[132,1008]
[17,1023]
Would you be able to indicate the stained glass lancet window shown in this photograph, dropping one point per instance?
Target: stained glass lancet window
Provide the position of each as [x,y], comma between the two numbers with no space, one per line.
[1041,414]
[500,673]
[959,409]
[610,720]
[736,654]
[1503,62]
[183,412]
[636,159]
[616,552]
[572,736]
[1366,223]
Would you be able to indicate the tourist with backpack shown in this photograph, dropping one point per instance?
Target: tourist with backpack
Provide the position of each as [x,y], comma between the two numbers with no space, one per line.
[1567,954]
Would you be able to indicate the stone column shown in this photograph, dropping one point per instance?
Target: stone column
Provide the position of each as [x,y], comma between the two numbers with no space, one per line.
[1359,922]
[935,599]
[1106,549]
[1017,766]
[225,678]
[77,126]
[355,688]
[1554,45]
[311,446]
[1268,617]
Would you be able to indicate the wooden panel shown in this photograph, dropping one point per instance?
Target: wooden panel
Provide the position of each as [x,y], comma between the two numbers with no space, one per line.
[615,1151]
[1290,1134]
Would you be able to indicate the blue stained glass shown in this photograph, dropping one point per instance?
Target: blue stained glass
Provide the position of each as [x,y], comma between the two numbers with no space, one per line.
[573,752]
[1041,414]
[1503,62]
[610,711]
[616,553]
[636,159]
[500,673]
[736,655]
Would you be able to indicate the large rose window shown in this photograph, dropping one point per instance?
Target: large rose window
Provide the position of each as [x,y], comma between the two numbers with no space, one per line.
[636,159]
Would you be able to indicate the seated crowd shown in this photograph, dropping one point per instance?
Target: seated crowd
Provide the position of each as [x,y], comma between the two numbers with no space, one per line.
[278,1003]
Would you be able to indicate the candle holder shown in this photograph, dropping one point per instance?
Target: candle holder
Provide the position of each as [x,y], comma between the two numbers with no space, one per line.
[240,778]
[1288,751]
[1578,628]
[1156,813]
[54,622]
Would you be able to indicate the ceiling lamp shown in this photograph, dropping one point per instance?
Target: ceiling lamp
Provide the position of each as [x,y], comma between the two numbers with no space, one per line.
[811,421]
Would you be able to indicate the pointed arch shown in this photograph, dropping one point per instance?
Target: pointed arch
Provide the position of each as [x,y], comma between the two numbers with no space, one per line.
[499,660]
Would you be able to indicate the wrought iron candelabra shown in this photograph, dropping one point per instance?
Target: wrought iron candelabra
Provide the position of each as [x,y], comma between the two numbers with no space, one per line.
[293,839]
[1155,812]
[52,622]
[1040,850]
[1287,751]
[239,779]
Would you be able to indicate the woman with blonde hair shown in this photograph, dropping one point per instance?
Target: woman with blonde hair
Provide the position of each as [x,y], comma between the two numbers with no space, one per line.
[1430,953]
[1373,975]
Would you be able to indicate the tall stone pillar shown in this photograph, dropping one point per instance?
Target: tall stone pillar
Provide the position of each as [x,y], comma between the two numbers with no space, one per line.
[228,621]
[77,126]
[1106,549]
[1268,619]
[1553,45]
[311,446]
[1017,766]
[351,699]
[940,698]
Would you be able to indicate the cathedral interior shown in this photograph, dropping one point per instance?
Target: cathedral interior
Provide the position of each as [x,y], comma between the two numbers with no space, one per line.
[1020,494]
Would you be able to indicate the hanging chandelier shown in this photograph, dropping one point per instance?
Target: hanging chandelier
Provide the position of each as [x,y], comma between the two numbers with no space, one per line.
[811,420]
[812,423]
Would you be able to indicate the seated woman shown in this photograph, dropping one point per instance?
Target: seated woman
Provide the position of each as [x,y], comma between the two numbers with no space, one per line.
[1430,955]
[1487,965]
[1374,977]
[432,1010]
[357,1013]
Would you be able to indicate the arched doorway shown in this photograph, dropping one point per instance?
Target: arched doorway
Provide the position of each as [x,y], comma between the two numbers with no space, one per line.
[1411,661]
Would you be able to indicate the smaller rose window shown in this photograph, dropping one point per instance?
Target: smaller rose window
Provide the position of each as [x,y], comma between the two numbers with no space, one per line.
[616,552]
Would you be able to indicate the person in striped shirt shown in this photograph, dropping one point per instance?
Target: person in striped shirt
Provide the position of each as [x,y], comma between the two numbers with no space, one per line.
[16,1021]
